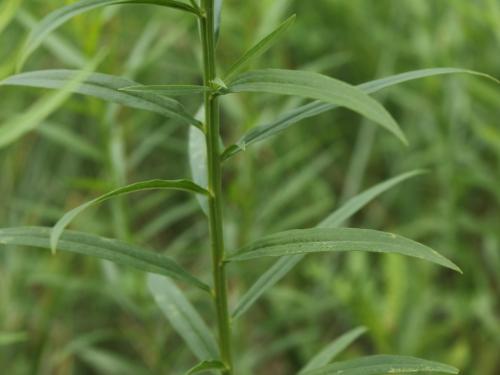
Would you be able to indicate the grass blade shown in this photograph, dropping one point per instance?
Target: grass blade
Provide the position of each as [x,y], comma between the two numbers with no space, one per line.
[64,14]
[184,185]
[259,48]
[183,317]
[106,87]
[326,355]
[100,247]
[168,90]
[315,108]
[316,86]
[7,12]
[206,366]
[279,269]
[317,240]
[383,364]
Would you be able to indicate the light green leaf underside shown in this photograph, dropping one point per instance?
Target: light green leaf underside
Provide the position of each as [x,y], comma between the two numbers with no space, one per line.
[206,366]
[168,90]
[279,269]
[318,240]
[62,15]
[383,364]
[259,48]
[315,108]
[100,247]
[326,355]
[106,87]
[316,86]
[184,185]
[197,150]
[183,317]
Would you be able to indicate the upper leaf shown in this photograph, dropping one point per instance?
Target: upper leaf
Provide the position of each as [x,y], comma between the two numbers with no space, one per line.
[317,107]
[383,364]
[183,317]
[62,15]
[315,240]
[259,48]
[316,86]
[100,247]
[185,185]
[106,87]
[168,90]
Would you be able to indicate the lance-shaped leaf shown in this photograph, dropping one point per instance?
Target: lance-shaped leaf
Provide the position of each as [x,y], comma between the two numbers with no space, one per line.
[206,366]
[326,355]
[62,15]
[383,364]
[183,317]
[184,185]
[319,240]
[316,86]
[168,90]
[317,107]
[106,87]
[259,48]
[100,247]
[279,269]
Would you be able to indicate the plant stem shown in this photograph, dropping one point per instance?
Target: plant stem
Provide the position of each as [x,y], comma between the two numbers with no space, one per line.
[212,134]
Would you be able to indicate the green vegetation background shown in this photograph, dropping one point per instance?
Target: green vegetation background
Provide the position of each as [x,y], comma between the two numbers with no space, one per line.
[72,315]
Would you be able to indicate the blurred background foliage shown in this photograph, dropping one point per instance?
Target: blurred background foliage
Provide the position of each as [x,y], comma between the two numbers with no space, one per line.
[66,314]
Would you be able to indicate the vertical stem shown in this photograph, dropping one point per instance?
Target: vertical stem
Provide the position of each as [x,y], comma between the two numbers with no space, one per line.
[212,134]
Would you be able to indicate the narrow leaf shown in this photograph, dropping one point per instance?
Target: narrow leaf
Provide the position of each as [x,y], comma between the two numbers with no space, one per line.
[317,107]
[183,317]
[353,205]
[218,17]
[259,48]
[7,12]
[100,247]
[332,350]
[64,14]
[206,366]
[169,90]
[279,269]
[383,364]
[316,86]
[106,87]
[184,185]
[317,240]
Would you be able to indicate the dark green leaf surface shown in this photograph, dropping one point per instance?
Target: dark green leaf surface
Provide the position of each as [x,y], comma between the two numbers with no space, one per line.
[317,107]
[99,247]
[183,317]
[62,15]
[184,185]
[316,86]
[106,87]
[383,364]
[279,269]
[317,240]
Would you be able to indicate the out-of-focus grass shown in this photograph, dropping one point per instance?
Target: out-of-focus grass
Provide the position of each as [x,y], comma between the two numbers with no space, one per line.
[66,321]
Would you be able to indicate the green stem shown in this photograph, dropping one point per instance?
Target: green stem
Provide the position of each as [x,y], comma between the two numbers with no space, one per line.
[212,134]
